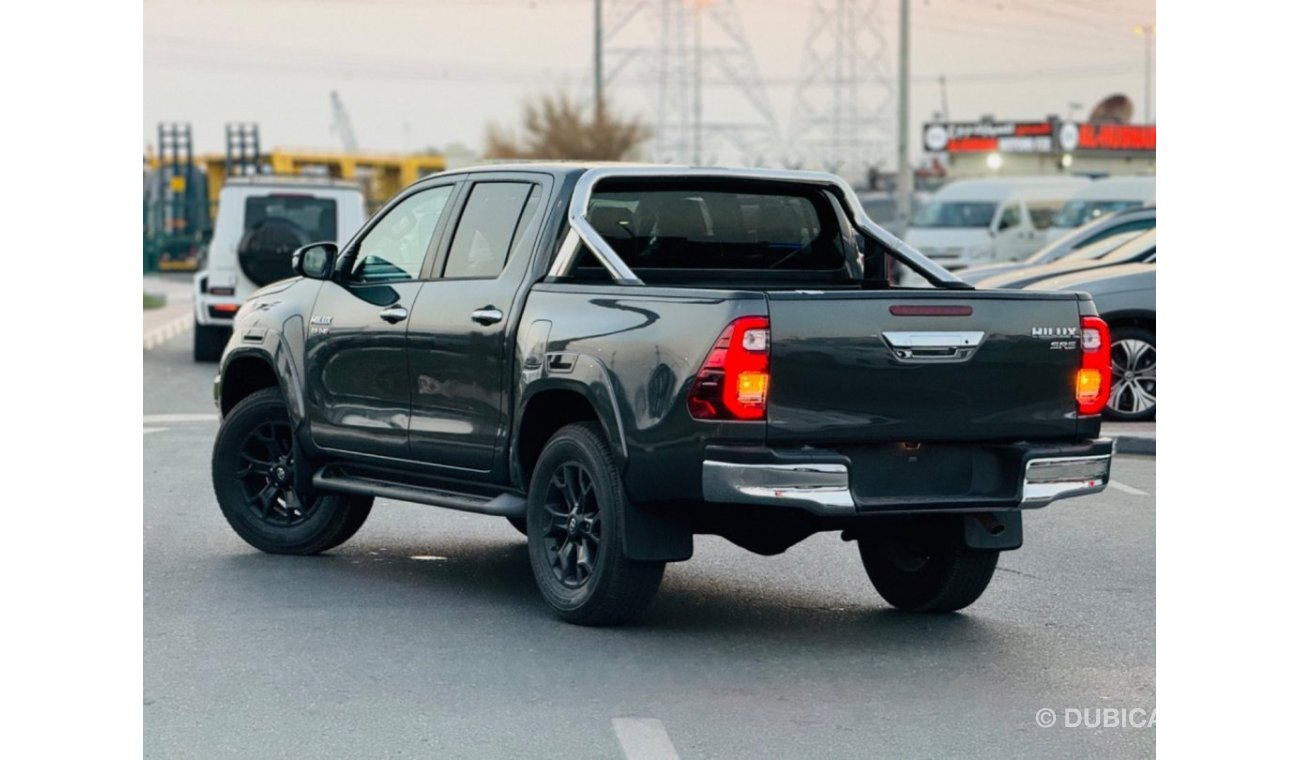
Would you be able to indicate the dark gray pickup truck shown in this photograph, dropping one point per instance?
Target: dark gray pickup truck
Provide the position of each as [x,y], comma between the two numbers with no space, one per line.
[617,358]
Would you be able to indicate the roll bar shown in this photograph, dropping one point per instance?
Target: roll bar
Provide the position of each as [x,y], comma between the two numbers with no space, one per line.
[581,231]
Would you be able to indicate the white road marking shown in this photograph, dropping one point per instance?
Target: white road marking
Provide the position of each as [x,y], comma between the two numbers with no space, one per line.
[147,431]
[1128,489]
[428,558]
[160,335]
[644,739]
[162,419]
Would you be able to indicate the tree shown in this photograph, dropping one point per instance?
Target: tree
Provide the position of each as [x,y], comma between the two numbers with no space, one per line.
[556,127]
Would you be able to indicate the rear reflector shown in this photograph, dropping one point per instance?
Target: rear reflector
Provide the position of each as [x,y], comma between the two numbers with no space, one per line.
[223,309]
[930,311]
[733,382]
[1092,382]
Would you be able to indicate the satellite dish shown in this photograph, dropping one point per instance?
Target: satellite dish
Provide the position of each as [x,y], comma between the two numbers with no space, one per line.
[1116,109]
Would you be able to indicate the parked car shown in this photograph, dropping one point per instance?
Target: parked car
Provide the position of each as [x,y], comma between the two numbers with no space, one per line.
[1115,224]
[977,221]
[882,208]
[1101,197]
[618,358]
[1125,296]
[1141,248]
[261,221]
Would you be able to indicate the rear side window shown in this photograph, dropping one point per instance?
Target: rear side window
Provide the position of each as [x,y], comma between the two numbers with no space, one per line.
[673,228]
[498,219]
[1079,212]
[964,214]
[1041,213]
[1010,216]
[277,225]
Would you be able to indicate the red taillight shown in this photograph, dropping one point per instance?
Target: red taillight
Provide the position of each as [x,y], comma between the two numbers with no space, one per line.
[1092,382]
[733,382]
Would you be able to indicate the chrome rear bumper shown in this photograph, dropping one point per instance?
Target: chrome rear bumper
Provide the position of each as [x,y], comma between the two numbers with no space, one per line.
[825,488]
[822,489]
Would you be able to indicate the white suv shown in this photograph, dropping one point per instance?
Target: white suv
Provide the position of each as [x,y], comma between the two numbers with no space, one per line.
[261,221]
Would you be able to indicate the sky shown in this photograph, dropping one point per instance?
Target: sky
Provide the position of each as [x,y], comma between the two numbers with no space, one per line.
[430,73]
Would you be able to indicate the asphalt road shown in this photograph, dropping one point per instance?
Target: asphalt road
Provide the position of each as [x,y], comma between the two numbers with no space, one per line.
[423,636]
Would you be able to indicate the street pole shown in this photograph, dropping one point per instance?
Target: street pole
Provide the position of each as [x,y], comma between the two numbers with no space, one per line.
[1148,31]
[1147,98]
[699,82]
[903,186]
[599,74]
[943,96]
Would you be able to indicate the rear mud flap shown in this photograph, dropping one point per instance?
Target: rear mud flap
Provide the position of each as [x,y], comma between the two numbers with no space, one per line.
[657,534]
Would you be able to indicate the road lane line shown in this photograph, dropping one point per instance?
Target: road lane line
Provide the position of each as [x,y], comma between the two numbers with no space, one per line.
[162,419]
[147,431]
[644,739]
[1128,489]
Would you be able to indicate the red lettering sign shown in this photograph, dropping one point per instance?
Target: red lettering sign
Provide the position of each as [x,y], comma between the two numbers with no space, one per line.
[1117,137]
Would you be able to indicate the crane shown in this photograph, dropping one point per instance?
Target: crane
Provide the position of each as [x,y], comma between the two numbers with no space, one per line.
[342,123]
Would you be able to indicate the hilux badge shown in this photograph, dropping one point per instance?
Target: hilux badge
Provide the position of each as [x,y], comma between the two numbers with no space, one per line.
[1054,332]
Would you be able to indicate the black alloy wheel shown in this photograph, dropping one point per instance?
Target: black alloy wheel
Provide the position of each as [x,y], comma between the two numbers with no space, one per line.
[572,537]
[576,509]
[266,475]
[255,475]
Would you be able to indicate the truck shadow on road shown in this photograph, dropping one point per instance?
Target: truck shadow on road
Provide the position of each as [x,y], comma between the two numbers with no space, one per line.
[489,583]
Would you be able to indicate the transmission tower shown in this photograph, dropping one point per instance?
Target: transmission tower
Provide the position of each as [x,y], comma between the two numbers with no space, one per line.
[702,82]
[843,102]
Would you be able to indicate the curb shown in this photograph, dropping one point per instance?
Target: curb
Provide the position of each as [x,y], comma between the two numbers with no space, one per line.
[1135,444]
[159,335]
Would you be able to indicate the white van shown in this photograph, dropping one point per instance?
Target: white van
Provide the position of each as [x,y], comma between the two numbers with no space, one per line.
[1102,197]
[261,221]
[978,221]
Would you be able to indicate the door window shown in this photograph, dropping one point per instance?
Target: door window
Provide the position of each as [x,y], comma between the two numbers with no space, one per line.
[1010,217]
[499,219]
[394,249]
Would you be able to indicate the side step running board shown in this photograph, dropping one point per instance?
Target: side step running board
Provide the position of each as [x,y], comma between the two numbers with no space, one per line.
[504,505]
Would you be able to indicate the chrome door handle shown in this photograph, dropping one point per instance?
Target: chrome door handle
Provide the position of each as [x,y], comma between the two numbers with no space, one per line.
[394,314]
[488,315]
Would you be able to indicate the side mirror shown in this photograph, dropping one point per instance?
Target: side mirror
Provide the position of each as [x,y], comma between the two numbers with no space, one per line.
[315,260]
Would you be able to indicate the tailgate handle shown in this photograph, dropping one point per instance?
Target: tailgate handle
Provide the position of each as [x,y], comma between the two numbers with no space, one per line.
[947,345]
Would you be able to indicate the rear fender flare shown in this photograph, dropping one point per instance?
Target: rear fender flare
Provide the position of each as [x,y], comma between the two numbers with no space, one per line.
[589,378]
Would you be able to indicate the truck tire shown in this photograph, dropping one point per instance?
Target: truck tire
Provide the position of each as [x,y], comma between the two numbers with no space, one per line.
[576,507]
[924,565]
[209,342]
[1133,375]
[253,475]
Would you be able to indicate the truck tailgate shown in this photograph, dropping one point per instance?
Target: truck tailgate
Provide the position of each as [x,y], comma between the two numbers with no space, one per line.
[868,366]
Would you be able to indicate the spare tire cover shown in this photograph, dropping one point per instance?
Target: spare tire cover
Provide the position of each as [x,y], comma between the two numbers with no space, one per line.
[266,251]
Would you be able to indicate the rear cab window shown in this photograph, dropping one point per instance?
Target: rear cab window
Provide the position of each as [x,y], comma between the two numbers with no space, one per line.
[717,231]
